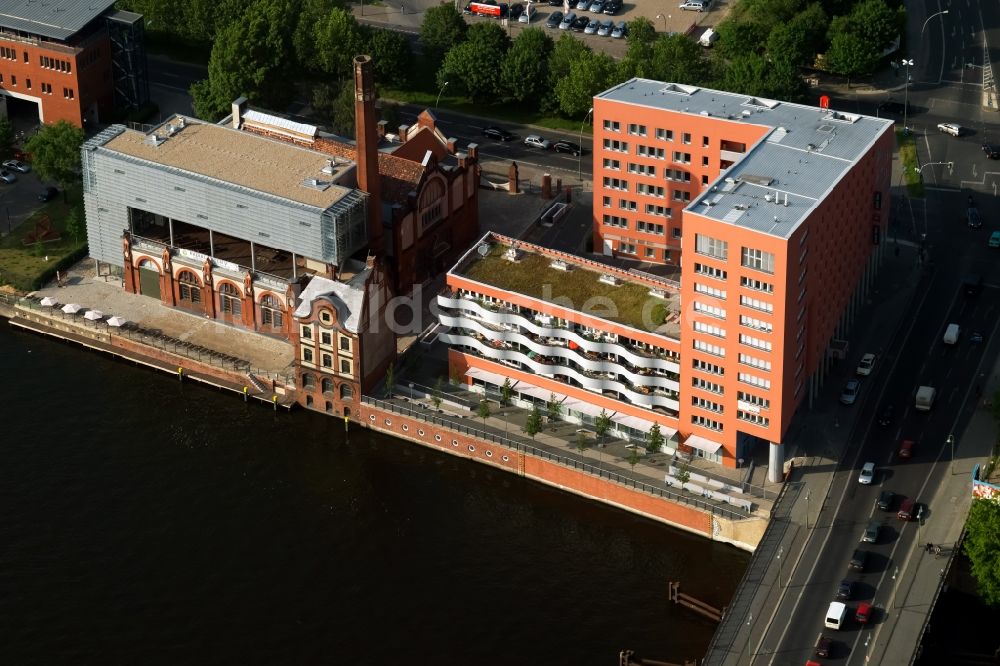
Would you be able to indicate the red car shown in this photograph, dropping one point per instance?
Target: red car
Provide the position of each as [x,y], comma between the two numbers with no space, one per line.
[864,612]
[906,449]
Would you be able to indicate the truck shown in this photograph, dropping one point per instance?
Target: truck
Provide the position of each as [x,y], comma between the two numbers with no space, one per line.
[951,334]
[925,398]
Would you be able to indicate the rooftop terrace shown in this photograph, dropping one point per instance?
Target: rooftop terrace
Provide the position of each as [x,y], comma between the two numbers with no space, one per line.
[579,288]
[805,151]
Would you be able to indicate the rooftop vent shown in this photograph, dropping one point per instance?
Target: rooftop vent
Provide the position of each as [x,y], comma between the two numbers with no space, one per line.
[658,293]
[316,184]
[559,265]
[512,253]
[607,278]
[155,139]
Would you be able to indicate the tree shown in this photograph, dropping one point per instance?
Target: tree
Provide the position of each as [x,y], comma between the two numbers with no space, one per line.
[850,55]
[76,225]
[587,77]
[336,40]
[533,424]
[740,38]
[249,58]
[745,75]
[554,407]
[525,66]
[602,424]
[678,59]
[506,392]
[875,22]
[633,457]
[311,13]
[55,152]
[982,546]
[470,67]
[798,41]
[390,378]
[638,56]
[6,136]
[334,105]
[484,410]
[683,473]
[436,396]
[565,52]
[391,55]
[581,442]
[654,442]
[442,29]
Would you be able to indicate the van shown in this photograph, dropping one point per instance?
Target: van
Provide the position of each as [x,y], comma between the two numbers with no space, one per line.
[708,38]
[906,509]
[835,615]
[951,334]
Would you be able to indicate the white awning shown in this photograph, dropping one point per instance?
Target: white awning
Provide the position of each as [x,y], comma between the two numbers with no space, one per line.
[486,376]
[706,445]
[533,391]
[582,407]
[642,425]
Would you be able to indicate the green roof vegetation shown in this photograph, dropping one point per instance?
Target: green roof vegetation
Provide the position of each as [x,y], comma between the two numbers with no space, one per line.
[579,288]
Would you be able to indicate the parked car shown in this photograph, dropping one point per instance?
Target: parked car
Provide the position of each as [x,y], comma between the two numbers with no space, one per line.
[991,149]
[886,499]
[906,449]
[592,27]
[858,560]
[567,21]
[515,12]
[497,134]
[867,474]
[885,418]
[582,5]
[994,239]
[951,128]
[555,18]
[17,165]
[892,108]
[580,24]
[972,283]
[536,141]
[606,27]
[527,14]
[866,364]
[568,147]
[693,6]
[906,509]
[620,31]
[612,7]
[48,194]
[973,219]
[864,613]
[7,176]
[823,645]
[850,393]
[844,590]
[871,532]
[597,6]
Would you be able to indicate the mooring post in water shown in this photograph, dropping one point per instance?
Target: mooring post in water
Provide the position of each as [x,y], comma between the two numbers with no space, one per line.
[274,400]
[180,374]
[347,422]
[246,393]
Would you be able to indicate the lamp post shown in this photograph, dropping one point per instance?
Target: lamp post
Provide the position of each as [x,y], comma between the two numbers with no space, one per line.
[781,550]
[951,442]
[907,62]
[893,600]
[749,622]
[945,11]
[579,158]
[807,509]
[661,16]
[438,100]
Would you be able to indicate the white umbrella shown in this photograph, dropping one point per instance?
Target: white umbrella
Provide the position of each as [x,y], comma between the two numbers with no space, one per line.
[117,321]
[94,315]
[48,301]
[71,308]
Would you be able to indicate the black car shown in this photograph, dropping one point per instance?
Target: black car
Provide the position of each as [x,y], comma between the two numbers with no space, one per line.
[567,147]
[891,108]
[858,560]
[515,11]
[885,418]
[972,283]
[611,7]
[48,194]
[497,134]
[845,589]
[580,24]
[823,646]
[885,500]
[992,151]
[555,18]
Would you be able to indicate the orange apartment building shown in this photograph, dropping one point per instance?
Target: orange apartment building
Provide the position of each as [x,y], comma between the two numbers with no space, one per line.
[72,60]
[772,212]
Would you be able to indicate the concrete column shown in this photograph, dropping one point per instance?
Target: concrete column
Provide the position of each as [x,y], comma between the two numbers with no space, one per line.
[775,462]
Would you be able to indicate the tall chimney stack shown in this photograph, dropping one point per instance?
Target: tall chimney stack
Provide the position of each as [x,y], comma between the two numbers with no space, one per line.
[366,135]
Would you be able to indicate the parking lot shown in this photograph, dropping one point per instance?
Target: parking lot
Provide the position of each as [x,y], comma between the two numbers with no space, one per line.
[18,200]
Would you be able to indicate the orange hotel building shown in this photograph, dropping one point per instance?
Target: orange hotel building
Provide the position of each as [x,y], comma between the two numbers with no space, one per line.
[774,214]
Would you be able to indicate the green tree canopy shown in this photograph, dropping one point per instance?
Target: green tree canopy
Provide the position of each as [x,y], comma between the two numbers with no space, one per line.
[640,39]
[768,14]
[982,546]
[565,52]
[249,58]
[471,67]
[533,424]
[740,38]
[678,59]
[851,55]
[587,77]
[6,136]
[198,20]
[337,38]
[55,152]
[391,55]
[655,439]
[525,68]
[874,21]
[333,104]
[798,41]
[442,29]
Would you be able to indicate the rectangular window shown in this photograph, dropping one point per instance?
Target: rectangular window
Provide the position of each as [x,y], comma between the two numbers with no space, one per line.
[626,204]
[750,417]
[307,333]
[708,329]
[627,248]
[756,324]
[706,404]
[681,158]
[649,151]
[27,84]
[686,137]
[681,195]
[650,253]
[713,247]
[607,202]
[757,259]
[708,348]
[327,361]
[616,184]
[710,271]
[711,424]
[754,380]
[612,126]
[706,385]
[754,400]
[704,161]
[756,343]
[653,209]
[657,191]
[25,56]
[616,145]
[664,134]
[677,174]
[757,285]
[307,354]
[13,80]
[642,169]
[710,291]
[325,338]
[615,165]
[755,362]
[763,306]
[616,221]
[637,130]
[705,366]
[649,227]
[704,142]
[345,366]
[676,232]
[710,310]
[345,344]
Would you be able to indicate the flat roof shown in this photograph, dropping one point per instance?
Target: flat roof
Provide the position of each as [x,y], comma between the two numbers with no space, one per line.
[55,19]
[805,151]
[240,158]
[628,301]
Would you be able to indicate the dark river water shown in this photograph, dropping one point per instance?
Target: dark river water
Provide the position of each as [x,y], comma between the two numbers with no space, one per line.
[144,521]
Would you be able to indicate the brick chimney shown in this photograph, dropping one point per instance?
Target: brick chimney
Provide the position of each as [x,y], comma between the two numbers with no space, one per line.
[366,135]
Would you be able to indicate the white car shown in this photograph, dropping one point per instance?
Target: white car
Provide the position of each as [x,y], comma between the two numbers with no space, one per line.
[950,128]
[850,393]
[866,365]
[17,165]
[693,6]
[867,474]
[537,142]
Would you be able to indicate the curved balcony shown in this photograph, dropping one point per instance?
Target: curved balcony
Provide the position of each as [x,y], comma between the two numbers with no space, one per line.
[593,365]
[596,384]
[637,359]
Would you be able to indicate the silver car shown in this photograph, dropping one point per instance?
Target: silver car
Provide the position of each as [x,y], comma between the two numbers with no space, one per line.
[592,27]
[7,176]
[17,165]
[606,27]
[582,5]
[567,21]
[620,31]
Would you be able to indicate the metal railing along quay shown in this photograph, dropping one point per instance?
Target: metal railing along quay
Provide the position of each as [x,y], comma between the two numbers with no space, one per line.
[566,461]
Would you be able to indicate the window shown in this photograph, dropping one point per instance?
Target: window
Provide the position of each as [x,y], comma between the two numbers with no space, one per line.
[704,142]
[326,338]
[612,126]
[625,204]
[346,391]
[750,417]
[637,130]
[705,366]
[642,169]
[47,88]
[189,288]
[327,385]
[649,227]
[654,209]
[308,381]
[616,145]
[757,324]
[712,247]
[677,174]
[704,180]
[270,312]
[675,232]
[27,84]
[754,400]
[758,259]
[307,354]
[13,80]
[750,283]
[763,306]
[710,291]
[345,366]
[345,344]
[704,161]
[650,253]
[616,221]
[686,137]
[307,333]
[706,423]
[612,164]
[606,201]
[710,310]
[325,317]
[756,343]
[25,56]
[651,190]
[710,271]
[229,299]
[706,385]
[8,53]
[327,361]
[709,329]
[664,134]
[68,93]
[626,248]
[681,158]
[706,404]
[649,151]
[616,184]
[754,380]
[714,350]
[755,362]
[681,195]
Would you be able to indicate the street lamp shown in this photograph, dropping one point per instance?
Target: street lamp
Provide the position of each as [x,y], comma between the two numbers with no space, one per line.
[781,550]
[661,16]
[893,599]
[579,158]
[951,442]
[438,100]
[928,21]
[907,62]
[807,509]
[749,622]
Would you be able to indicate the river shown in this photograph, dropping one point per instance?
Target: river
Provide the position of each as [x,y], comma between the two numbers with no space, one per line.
[148,521]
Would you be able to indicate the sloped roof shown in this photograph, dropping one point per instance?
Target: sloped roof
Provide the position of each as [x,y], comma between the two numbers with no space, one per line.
[55,19]
[347,298]
[400,176]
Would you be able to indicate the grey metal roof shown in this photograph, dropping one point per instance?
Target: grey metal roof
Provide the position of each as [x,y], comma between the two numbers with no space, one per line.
[55,19]
[803,154]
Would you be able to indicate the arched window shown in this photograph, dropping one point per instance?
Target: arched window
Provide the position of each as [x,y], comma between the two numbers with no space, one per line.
[308,381]
[149,265]
[346,391]
[270,312]
[229,299]
[327,385]
[190,287]
[329,406]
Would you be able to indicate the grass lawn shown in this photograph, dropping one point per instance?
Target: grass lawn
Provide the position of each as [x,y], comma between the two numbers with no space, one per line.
[908,157]
[22,264]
